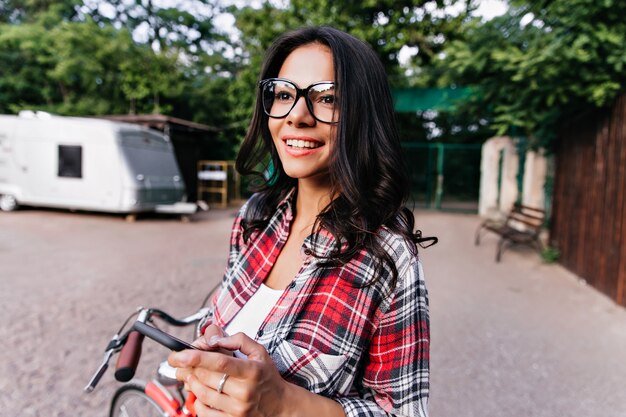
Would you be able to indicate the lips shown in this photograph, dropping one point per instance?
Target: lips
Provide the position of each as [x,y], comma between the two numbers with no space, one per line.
[301,144]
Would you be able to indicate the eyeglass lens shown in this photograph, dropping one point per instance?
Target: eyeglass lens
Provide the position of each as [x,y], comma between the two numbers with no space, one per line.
[280,96]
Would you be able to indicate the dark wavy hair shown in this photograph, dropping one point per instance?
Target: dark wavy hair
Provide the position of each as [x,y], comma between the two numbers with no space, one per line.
[366,171]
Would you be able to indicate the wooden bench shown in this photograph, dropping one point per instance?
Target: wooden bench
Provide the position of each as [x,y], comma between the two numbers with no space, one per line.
[522,226]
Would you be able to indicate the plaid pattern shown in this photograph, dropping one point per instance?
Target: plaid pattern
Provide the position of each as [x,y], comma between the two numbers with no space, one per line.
[367,348]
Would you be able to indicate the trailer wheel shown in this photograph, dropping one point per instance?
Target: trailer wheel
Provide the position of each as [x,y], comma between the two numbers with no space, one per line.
[8,202]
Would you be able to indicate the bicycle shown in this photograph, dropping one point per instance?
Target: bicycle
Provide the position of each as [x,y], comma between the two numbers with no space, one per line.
[153,398]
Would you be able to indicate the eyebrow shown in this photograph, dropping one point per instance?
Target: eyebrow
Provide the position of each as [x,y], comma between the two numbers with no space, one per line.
[298,85]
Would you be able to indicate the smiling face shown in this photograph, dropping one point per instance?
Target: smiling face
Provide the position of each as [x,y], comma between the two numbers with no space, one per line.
[304,144]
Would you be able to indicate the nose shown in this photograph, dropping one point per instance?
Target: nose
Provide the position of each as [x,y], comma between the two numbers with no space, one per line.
[300,114]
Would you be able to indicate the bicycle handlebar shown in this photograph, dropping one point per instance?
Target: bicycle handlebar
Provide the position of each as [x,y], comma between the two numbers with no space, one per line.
[155,312]
[129,343]
[129,357]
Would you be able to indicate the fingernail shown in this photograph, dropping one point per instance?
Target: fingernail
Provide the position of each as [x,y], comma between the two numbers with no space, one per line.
[214,340]
[183,356]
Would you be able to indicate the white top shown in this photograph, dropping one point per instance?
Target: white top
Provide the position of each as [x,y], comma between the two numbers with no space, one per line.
[254,312]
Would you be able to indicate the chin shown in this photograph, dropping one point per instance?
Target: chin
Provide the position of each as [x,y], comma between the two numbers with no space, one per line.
[298,174]
[303,174]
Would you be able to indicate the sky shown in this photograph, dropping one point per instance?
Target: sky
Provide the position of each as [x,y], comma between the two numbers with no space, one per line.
[489,9]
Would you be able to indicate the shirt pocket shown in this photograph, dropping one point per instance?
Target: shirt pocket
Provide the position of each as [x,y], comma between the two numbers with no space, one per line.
[318,372]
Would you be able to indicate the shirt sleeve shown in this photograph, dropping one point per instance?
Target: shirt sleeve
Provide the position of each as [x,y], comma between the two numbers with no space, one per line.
[396,376]
[236,238]
[235,248]
[236,243]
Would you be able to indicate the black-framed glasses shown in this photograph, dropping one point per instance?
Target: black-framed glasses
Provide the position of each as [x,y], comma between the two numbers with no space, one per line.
[280,96]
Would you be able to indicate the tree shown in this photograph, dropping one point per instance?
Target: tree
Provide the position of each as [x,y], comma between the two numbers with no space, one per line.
[57,57]
[80,68]
[184,25]
[540,64]
[27,11]
[387,25]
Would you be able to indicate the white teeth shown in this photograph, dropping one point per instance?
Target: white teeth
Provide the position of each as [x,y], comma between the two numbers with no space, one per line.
[295,143]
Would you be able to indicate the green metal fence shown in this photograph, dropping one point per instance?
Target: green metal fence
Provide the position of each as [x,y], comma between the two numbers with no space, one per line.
[444,176]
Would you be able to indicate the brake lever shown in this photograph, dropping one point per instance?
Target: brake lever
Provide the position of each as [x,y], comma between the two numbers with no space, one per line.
[114,345]
[99,373]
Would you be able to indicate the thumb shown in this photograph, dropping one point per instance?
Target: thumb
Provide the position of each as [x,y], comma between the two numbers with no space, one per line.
[211,332]
[243,343]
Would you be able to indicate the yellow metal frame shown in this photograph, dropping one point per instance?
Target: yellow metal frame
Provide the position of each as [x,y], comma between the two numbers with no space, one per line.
[218,186]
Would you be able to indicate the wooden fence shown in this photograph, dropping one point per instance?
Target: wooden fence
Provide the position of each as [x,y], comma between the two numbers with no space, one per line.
[589,201]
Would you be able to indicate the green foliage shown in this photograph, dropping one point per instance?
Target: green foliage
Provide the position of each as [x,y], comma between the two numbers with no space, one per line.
[66,58]
[183,25]
[386,25]
[539,64]
[79,68]
[550,254]
[120,56]
[28,11]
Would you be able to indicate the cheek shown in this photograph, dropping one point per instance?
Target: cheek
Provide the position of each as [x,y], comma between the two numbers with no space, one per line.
[274,127]
[332,137]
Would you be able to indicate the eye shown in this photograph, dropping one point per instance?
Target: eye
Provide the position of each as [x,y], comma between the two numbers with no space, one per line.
[327,99]
[323,95]
[283,96]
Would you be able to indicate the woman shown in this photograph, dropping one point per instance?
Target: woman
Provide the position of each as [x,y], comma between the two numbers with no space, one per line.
[323,296]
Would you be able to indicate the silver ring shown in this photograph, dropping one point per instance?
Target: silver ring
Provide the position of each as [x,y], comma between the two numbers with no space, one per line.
[220,385]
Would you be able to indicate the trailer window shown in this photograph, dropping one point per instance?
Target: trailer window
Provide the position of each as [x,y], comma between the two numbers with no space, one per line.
[70,161]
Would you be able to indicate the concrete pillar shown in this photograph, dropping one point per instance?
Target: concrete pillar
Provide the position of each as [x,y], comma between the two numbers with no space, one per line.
[488,205]
[535,170]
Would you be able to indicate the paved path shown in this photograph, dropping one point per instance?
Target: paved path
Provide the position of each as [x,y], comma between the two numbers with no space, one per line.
[519,338]
[514,339]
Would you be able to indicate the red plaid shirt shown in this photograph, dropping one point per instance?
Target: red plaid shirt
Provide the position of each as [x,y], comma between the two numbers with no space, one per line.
[367,348]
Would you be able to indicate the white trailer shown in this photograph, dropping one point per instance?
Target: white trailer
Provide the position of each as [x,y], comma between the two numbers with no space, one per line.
[86,164]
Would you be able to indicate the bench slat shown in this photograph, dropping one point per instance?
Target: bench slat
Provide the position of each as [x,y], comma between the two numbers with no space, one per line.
[532,223]
[522,225]
[533,209]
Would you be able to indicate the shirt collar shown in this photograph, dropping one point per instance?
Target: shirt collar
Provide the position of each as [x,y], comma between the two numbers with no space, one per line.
[287,203]
[320,245]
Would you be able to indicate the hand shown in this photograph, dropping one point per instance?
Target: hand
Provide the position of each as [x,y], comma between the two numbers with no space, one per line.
[212,332]
[253,386]
[203,343]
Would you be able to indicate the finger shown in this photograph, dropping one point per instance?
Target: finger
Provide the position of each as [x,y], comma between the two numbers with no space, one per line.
[215,361]
[204,411]
[231,386]
[207,395]
[185,358]
[244,344]
[213,330]
[183,373]
[201,343]
[211,334]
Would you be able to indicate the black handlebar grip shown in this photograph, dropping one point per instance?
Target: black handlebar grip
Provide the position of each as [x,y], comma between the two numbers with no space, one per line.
[129,357]
[160,336]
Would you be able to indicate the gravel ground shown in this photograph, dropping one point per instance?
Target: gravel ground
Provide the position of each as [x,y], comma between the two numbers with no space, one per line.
[519,338]
[68,282]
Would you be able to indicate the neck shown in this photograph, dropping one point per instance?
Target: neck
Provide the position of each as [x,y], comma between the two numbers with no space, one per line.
[310,200]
